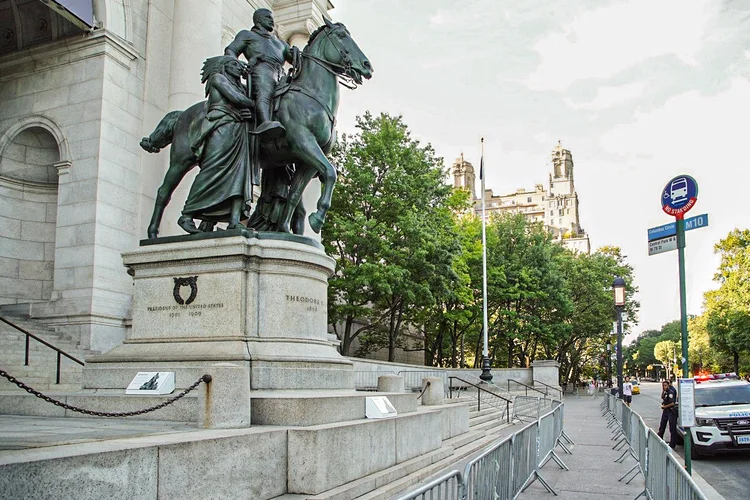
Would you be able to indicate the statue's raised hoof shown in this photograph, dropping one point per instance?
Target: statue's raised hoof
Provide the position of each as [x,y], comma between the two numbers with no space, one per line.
[187,224]
[316,222]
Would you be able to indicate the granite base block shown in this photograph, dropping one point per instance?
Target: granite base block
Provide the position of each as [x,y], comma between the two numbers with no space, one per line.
[318,407]
[117,475]
[455,419]
[245,466]
[324,457]
[418,434]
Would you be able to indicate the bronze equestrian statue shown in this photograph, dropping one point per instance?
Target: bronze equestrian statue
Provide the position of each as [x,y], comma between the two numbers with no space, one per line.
[306,109]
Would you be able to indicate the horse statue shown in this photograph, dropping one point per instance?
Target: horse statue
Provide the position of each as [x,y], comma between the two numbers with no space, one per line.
[306,108]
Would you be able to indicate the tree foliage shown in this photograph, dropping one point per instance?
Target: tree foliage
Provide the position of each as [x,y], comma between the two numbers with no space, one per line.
[391,230]
[409,259]
[718,339]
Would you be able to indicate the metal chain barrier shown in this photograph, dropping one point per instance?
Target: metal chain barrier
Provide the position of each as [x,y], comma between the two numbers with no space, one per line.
[428,384]
[12,379]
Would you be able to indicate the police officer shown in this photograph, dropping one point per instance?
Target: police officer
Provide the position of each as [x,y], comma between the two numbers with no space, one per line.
[668,412]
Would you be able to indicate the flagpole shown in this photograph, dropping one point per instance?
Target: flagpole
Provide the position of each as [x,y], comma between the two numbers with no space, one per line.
[486,375]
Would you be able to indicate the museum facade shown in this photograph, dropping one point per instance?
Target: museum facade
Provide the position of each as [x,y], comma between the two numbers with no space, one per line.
[81,82]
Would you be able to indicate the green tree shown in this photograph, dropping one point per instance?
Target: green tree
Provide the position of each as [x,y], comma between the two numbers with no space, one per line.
[391,229]
[727,309]
[668,351]
[453,320]
[526,294]
[701,355]
[588,280]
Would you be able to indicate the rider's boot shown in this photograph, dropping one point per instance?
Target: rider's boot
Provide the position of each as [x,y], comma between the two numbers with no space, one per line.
[267,127]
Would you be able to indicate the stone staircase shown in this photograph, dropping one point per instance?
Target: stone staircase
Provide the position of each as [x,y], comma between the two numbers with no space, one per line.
[485,427]
[41,372]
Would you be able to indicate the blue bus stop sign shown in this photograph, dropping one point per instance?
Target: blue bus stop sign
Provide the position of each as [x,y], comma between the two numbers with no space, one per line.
[679,196]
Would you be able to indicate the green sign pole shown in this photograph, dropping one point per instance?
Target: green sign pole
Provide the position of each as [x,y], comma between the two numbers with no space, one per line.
[683,324]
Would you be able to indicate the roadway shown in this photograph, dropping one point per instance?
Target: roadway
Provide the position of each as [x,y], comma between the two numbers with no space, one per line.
[728,474]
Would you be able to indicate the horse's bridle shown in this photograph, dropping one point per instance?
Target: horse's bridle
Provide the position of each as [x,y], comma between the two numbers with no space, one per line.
[343,71]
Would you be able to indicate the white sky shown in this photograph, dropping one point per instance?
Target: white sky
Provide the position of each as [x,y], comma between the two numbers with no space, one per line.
[638,91]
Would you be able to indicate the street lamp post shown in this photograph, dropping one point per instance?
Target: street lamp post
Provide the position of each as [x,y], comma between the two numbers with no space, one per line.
[609,364]
[619,288]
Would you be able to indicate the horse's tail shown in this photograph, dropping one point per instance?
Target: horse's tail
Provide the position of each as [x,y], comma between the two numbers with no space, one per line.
[162,136]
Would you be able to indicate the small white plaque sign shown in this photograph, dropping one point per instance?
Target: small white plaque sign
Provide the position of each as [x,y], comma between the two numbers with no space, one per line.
[379,407]
[151,383]
[686,399]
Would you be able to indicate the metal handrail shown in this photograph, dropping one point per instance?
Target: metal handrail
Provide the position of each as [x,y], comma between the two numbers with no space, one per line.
[479,399]
[60,352]
[548,386]
[526,386]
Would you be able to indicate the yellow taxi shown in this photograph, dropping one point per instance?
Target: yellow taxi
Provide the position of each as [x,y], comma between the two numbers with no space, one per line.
[636,387]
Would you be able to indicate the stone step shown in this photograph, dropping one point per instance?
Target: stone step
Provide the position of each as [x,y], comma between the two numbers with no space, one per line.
[407,482]
[41,371]
[484,430]
[485,417]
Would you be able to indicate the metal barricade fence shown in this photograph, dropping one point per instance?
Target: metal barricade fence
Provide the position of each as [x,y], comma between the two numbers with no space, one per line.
[447,486]
[546,437]
[367,380]
[413,378]
[656,471]
[524,456]
[643,445]
[526,408]
[503,470]
[679,484]
[488,475]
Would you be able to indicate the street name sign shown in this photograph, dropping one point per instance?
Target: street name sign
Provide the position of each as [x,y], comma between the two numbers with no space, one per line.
[659,232]
[679,196]
[662,245]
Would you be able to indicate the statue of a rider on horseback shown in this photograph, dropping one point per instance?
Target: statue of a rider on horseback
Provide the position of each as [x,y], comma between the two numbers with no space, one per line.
[284,129]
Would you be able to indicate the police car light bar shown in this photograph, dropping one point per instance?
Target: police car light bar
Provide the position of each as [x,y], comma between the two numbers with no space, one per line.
[714,376]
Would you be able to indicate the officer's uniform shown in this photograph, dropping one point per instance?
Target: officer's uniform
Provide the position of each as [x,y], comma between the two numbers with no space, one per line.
[669,415]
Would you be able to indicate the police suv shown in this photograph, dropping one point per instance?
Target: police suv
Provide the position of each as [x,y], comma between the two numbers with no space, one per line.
[722,416]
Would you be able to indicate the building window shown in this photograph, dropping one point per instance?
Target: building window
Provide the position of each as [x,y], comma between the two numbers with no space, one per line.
[528,199]
[560,212]
[568,211]
[559,221]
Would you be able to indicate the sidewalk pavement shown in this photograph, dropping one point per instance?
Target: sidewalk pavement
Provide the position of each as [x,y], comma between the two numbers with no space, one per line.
[593,472]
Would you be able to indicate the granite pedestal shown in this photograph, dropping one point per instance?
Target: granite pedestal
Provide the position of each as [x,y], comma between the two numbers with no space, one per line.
[258,302]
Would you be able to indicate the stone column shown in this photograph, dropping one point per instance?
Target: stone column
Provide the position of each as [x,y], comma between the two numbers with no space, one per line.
[196,36]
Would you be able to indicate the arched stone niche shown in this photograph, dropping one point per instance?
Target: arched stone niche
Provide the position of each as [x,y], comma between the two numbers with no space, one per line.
[31,154]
